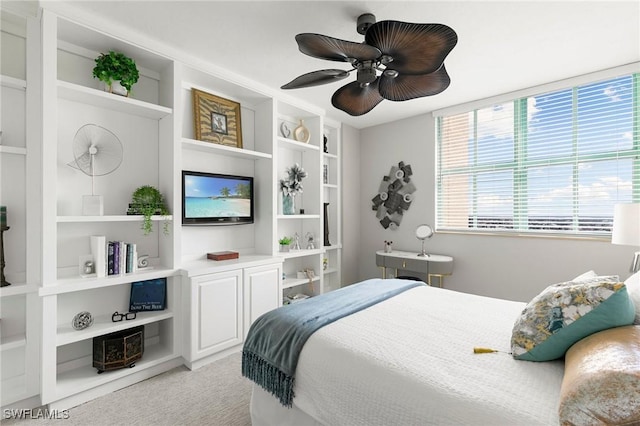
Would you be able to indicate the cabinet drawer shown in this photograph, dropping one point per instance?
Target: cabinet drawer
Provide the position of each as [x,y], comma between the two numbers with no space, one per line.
[443,268]
[403,263]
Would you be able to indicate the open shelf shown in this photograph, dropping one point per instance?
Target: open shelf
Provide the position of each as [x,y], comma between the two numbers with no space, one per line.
[16,289]
[196,145]
[86,377]
[101,99]
[293,282]
[13,83]
[300,253]
[68,285]
[12,342]
[298,216]
[294,144]
[329,271]
[110,218]
[103,325]
[13,150]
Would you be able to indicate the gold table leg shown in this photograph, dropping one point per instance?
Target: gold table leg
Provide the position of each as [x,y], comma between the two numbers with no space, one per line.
[439,276]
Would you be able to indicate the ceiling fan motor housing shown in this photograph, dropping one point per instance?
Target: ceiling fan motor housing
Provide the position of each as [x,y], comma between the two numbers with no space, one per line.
[366,73]
[364,22]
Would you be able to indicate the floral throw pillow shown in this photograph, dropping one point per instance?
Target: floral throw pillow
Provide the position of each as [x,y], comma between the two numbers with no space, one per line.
[566,312]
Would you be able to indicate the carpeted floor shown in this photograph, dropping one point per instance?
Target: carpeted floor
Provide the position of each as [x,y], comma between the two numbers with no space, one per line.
[215,394]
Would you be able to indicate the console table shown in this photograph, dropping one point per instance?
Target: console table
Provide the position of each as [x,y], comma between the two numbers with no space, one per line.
[433,265]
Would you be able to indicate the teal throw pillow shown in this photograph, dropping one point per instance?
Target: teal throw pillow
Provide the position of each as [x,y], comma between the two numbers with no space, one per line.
[567,312]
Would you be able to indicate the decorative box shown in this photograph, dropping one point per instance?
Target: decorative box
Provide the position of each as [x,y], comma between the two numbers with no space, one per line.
[118,350]
[223,255]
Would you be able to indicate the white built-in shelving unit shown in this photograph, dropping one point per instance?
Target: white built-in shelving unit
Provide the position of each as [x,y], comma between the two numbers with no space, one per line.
[19,304]
[210,305]
[144,125]
[307,219]
[332,194]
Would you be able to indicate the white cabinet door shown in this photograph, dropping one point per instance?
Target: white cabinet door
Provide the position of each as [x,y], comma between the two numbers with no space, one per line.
[218,314]
[261,291]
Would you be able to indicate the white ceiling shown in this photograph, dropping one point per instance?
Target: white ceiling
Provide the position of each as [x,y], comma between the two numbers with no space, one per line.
[502,46]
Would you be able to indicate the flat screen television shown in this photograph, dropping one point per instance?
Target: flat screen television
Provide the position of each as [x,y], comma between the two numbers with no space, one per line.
[216,199]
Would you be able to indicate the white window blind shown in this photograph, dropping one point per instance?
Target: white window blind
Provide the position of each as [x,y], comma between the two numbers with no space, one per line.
[551,163]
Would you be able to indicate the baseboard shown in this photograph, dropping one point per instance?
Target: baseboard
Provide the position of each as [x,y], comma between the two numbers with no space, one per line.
[194,365]
[23,404]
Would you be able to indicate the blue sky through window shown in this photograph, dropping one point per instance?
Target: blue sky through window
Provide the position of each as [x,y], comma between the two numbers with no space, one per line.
[565,153]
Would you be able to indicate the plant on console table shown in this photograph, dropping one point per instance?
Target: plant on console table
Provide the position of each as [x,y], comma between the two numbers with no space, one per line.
[291,187]
[115,68]
[148,201]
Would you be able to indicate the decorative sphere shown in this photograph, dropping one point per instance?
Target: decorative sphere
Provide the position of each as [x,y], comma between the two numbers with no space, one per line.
[82,320]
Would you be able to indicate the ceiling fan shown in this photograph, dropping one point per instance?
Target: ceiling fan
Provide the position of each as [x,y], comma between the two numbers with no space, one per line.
[398,61]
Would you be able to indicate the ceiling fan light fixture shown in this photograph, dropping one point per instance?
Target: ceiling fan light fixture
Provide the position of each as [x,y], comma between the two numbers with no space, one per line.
[417,52]
[390,73]
[386,59]
[366,75]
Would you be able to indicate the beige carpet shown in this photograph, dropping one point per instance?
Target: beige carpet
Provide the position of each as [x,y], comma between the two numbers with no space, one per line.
[215,394]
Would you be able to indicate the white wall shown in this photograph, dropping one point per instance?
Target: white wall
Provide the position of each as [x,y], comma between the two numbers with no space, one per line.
[514,268]
[350,204]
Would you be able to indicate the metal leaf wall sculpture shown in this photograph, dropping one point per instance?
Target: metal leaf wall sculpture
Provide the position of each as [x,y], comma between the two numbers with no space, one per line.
[394,196]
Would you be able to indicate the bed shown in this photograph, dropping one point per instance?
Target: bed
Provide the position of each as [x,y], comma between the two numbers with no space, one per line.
[409,360]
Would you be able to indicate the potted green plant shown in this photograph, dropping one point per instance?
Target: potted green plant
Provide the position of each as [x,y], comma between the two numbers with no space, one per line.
[148,201]
[284,243]
[116,67]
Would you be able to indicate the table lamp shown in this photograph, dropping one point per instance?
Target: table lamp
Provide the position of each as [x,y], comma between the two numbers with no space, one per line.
[626,229]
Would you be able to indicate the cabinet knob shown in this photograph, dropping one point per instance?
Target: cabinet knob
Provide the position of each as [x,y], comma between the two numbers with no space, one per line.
[404,263]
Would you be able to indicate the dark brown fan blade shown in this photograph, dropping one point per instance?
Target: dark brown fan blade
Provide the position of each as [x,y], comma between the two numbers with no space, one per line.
[333,49]
[415,48]
[316,78]
[405,87]
[356,100]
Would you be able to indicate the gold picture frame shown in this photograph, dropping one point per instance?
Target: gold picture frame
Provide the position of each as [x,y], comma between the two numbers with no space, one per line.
[216,119]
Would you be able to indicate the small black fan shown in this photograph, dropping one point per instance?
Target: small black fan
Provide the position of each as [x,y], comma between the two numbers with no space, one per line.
[398,61]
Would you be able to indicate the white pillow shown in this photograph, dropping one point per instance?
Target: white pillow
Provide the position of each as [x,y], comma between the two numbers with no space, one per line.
[633,288]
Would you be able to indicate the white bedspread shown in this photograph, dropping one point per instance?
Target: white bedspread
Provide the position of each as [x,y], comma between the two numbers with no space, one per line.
[409,361]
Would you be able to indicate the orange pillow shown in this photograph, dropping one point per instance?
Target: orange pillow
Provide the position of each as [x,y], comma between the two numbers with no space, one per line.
[601,384]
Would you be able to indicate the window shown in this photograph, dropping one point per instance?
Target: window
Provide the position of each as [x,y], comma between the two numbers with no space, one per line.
[551,163]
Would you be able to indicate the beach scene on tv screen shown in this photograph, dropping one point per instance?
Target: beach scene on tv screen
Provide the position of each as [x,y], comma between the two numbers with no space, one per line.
[207,196]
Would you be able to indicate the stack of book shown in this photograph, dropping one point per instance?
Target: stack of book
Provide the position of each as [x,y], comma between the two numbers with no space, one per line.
[113,257]
[121,258]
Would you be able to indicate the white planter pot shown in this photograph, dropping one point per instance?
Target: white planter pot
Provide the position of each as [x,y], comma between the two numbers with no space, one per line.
[117,88]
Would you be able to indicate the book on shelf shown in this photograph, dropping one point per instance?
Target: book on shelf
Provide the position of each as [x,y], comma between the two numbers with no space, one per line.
[130,264]
[121,257]
[111,256]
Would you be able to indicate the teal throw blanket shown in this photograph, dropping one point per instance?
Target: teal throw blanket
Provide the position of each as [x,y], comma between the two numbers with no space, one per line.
[271,350]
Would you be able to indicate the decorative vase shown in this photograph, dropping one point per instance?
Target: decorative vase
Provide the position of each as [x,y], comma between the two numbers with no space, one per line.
[284,248]
[326,225]
[288,204]
[301,133]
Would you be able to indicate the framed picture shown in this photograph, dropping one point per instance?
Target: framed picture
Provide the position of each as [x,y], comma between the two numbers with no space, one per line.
[216,119]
